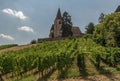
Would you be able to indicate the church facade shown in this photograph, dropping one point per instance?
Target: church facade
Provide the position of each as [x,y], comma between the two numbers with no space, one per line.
[56,29]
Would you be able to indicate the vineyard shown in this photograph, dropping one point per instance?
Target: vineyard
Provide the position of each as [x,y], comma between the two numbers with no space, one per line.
[74,56]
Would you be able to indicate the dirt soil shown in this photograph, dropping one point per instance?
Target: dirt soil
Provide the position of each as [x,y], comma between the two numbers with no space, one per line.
[114,77]
[17,48]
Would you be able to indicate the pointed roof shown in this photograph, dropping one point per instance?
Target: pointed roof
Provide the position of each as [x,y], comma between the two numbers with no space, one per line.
[118,9]
[59,14]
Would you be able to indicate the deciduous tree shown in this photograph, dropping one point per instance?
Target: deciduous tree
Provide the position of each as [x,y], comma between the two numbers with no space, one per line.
[107,32]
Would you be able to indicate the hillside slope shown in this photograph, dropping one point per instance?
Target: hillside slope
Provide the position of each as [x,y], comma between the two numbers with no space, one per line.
[16,48]
[60,60]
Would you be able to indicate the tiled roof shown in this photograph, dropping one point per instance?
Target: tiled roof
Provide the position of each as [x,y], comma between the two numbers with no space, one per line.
[76,31]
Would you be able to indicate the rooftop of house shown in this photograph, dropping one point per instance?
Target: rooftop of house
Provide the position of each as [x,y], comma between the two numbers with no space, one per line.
[76,30]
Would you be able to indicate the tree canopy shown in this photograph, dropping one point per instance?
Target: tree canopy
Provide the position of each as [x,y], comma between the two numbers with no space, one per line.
[107,33]
[90,28]
[102,15]
[66,25]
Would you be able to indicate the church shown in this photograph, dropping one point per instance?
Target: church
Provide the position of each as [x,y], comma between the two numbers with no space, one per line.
[56,29]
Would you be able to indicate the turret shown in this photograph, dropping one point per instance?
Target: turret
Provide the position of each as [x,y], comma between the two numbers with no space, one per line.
[59,14]
[58,25]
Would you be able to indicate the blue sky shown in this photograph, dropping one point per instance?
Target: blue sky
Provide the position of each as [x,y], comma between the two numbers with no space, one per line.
[24,20]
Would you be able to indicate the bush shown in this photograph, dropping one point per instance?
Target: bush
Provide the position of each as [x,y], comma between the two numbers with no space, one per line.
[107,33]
[33,42]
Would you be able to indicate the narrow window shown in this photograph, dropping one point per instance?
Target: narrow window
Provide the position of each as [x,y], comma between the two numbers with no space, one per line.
[59,22]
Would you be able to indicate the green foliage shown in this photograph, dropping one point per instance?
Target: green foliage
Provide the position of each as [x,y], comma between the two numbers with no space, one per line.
[66,25]
[80,61]
[111,56]
[90,28]
[43,56]
[33,42]
[58,54]
[87,36]
[107,33]
[102,15]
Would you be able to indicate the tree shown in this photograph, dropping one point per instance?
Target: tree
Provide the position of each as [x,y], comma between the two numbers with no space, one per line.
[107,33]
[90,28]
[99,34]
[102,15]
[66,25]
[33,42]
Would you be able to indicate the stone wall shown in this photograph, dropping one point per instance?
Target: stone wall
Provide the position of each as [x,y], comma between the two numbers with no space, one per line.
[54,39]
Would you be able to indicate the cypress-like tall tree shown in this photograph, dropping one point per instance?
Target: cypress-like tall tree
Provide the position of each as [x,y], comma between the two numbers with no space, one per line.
[90,28]
[66,25]
[100,19]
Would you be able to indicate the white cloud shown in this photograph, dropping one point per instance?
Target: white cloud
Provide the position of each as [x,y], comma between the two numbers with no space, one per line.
[26,28]
[8,37]
[18,14]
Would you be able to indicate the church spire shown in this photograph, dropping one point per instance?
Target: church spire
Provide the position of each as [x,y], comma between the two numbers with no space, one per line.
[59,14]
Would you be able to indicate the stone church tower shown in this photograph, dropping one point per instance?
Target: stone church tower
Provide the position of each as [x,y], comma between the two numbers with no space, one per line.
[56,30]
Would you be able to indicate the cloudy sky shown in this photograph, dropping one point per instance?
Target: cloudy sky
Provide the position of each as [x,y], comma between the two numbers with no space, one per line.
[24,20]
